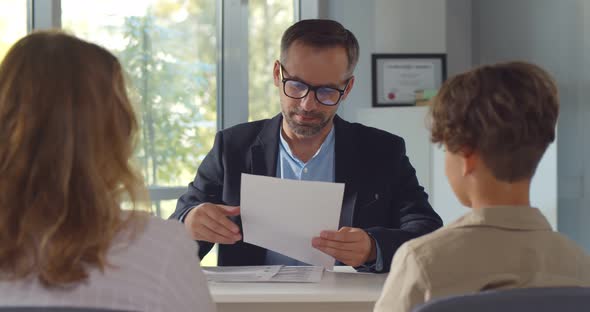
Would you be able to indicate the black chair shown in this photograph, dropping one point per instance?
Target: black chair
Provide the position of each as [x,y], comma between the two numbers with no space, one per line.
[56,309]
[563,299]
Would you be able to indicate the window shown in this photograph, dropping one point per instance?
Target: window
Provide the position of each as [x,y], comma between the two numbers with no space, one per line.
[174,56]
[13,23]
[268,19]
[169,51]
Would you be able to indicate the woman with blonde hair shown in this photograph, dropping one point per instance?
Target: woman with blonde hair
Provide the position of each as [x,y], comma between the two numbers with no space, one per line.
[67,132]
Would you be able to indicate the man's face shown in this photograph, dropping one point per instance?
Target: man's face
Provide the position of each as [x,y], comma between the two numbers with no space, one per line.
[317,67]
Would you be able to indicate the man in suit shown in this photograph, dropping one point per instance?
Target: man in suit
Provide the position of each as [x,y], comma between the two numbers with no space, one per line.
[383,206]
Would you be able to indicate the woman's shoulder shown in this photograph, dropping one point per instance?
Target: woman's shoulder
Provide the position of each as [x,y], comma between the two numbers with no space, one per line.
[148,234]
[170,231]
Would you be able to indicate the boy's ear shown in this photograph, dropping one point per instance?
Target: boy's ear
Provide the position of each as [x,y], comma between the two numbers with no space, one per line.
[470,161]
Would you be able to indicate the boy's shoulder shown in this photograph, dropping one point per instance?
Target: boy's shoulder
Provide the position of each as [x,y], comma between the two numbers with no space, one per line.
[445,243]
[435,241]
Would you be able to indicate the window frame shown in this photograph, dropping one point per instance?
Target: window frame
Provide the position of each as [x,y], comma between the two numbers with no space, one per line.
[232,71]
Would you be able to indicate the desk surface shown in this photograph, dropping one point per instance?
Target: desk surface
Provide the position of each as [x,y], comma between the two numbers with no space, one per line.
[334,287]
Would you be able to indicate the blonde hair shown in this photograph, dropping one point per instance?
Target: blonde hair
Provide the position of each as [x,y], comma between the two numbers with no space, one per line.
[67,132]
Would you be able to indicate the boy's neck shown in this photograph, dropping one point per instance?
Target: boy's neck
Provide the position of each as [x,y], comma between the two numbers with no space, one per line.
[494,194]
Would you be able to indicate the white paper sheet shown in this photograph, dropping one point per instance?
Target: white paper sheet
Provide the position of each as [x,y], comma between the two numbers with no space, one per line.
[241,273]
[344,269]
[298,274]
[284,215]
[270,274]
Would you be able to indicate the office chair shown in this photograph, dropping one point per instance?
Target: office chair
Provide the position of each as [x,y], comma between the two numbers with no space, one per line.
[56,309]
[563,299]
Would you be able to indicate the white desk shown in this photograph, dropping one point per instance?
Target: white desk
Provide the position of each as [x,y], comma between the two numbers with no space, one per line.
[340,292]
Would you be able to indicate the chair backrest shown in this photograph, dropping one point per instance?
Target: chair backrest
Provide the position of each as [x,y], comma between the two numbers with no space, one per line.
[563,299]
[56,309]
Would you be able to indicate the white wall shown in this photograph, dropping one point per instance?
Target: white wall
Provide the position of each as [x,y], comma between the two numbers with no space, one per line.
[555,35]
[403,26]
[381,26]
[407,122]
[358,17]
[416,26]
[466,31]
[577,219]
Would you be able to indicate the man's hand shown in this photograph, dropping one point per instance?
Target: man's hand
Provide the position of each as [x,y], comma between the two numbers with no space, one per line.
[209,222]
[351,246]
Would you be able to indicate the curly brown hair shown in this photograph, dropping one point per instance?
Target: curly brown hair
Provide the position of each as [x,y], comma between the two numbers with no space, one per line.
[67,132]
[507,112]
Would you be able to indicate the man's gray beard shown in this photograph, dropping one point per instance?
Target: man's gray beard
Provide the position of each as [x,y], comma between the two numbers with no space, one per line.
[306,131]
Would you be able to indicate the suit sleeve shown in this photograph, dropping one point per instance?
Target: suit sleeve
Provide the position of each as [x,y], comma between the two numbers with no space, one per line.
[206,187]
[416,215]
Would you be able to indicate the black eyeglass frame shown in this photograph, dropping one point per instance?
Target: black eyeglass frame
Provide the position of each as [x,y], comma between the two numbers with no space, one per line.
[311,88]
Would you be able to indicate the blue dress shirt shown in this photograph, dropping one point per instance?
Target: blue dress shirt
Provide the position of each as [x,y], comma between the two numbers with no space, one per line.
[321,167]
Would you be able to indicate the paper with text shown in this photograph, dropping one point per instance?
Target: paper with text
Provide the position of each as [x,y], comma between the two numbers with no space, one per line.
[284,215]
[241,273]
[298,274]
[268,273]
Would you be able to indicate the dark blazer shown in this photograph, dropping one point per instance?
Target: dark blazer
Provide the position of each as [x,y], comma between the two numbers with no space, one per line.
[381,195]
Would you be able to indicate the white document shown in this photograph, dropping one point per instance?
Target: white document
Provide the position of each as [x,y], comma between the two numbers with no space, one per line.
[339,269]
[284,215]
[241,273]
[298,274]
[270,273]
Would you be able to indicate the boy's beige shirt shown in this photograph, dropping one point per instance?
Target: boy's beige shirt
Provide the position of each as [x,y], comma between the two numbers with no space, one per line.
[492,248]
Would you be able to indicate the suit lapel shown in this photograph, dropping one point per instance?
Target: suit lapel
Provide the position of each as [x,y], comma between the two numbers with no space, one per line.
[265,150]
[345,156]
[264,162]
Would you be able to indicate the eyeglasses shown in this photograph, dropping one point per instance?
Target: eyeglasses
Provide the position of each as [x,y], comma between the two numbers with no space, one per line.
[296,89]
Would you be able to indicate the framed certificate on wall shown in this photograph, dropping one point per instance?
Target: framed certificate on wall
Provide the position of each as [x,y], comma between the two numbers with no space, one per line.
[397,77]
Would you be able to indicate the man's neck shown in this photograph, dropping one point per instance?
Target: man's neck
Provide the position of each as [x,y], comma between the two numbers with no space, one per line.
[501,194]
[305,147]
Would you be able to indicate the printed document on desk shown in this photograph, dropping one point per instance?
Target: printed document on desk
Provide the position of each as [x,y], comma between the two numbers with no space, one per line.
[269,273]
[241,273]
[284,215]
